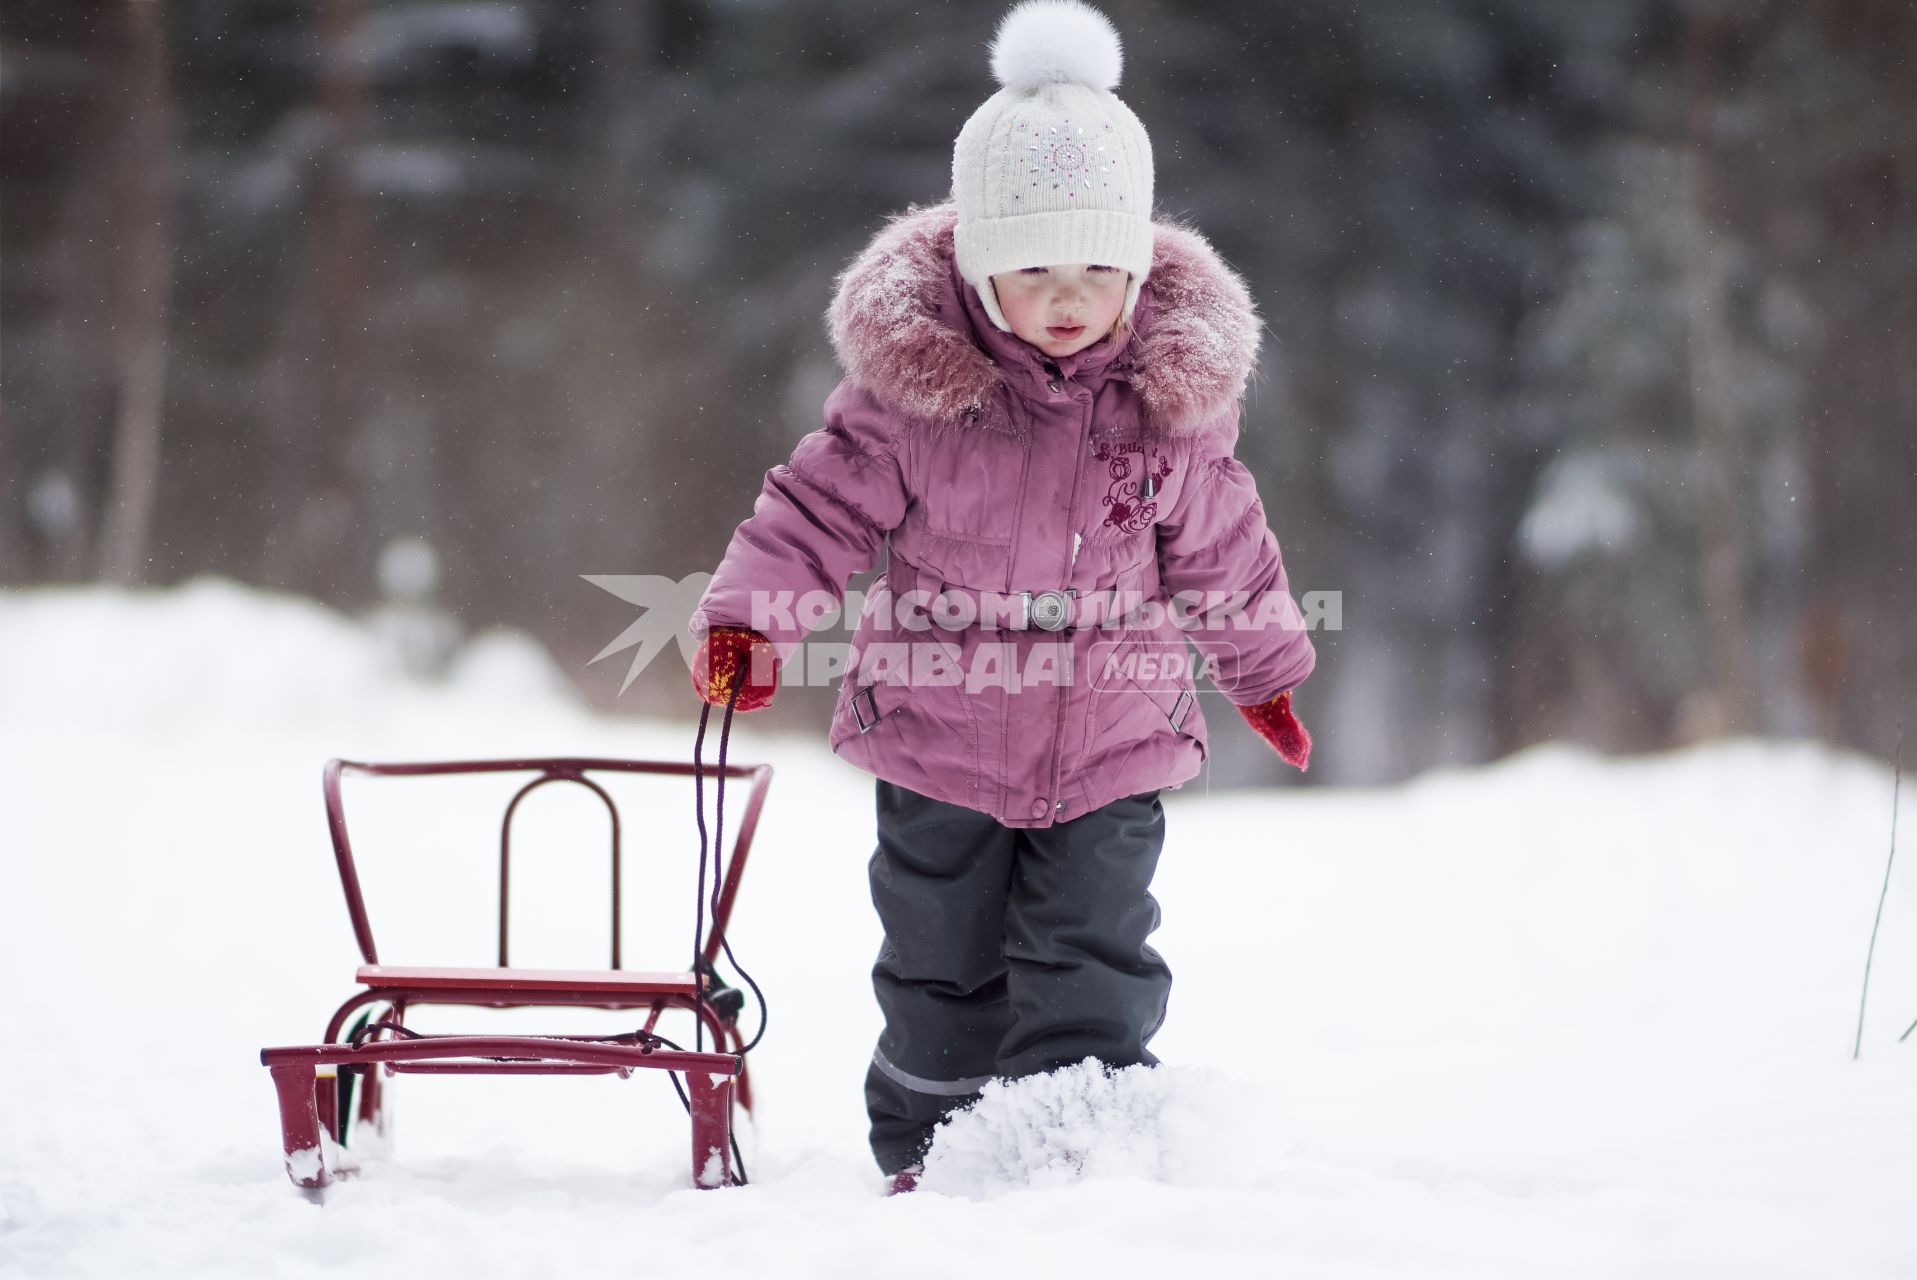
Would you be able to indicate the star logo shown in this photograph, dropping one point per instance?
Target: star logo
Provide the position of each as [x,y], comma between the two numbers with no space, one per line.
[668,606]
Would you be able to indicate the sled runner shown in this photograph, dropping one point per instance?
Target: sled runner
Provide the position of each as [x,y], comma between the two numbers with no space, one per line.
[324,1089]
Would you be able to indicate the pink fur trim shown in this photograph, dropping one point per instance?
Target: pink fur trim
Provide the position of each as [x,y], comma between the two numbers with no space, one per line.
[899,328]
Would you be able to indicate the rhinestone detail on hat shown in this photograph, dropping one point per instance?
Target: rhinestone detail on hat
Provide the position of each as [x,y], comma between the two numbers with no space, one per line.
[1068,159]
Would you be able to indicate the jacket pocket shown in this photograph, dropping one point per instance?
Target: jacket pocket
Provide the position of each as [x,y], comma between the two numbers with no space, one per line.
[925,738]
[1141,683]
[898,692]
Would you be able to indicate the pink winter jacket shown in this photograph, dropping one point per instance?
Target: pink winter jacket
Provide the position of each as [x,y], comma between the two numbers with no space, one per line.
[1009,487]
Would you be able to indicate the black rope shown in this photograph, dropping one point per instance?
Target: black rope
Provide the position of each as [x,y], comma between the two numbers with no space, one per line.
[718,879]
[738,1159]
[715,845]
[718,828]
[641,1039]
[365,1029]
[699,892]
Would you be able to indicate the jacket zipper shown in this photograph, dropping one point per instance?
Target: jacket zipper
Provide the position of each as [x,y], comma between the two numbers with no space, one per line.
[1003,752]
[1071,527]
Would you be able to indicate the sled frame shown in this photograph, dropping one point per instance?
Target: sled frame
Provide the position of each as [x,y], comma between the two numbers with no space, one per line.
[312,1080]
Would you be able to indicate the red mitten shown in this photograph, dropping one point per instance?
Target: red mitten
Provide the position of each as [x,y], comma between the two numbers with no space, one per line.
[1277,725]
[736,656]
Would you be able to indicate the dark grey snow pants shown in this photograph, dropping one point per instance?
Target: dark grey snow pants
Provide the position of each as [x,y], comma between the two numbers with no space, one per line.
[1008,952]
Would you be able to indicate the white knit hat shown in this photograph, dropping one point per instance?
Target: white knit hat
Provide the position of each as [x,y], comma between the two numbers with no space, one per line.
[1053,167]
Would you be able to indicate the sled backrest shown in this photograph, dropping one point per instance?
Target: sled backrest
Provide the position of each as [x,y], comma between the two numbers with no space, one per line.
[547,770]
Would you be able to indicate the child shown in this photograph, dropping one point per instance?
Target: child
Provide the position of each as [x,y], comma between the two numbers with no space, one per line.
[1037,423]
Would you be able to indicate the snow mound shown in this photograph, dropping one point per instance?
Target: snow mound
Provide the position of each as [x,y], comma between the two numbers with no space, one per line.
[1049,1129]
[1089,1120]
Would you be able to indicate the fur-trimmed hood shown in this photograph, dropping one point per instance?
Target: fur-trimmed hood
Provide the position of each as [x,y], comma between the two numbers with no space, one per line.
[899,325]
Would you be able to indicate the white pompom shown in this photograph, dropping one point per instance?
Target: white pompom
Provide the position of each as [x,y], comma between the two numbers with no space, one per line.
[1056,41]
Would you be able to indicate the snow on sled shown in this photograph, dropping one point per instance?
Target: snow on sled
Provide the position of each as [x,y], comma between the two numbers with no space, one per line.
[325,1089]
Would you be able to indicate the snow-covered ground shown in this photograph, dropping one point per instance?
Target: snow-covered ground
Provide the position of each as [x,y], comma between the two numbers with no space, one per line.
[1561,1016]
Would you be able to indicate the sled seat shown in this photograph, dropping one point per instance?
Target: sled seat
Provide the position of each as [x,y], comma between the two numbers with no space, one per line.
[490,978]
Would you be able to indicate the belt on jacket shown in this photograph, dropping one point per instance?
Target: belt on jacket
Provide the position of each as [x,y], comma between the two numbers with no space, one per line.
[1028,610]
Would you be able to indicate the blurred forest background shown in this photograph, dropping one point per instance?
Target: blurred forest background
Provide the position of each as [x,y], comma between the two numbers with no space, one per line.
[1590,379]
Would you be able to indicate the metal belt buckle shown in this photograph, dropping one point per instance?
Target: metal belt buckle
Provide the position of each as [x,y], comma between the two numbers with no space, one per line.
[1181,707]
[858,714]
[1049,610]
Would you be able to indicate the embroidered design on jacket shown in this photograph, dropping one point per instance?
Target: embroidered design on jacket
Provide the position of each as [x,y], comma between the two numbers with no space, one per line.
[1136,476]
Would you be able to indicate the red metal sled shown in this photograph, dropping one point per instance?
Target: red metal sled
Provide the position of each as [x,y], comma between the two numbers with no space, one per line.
[310,1102]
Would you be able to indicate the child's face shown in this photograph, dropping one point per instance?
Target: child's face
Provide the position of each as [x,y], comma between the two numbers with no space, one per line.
[1062,309]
